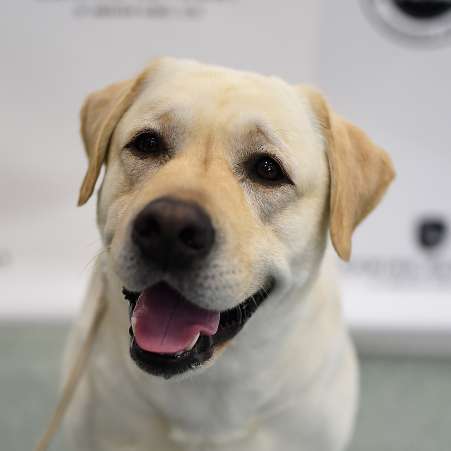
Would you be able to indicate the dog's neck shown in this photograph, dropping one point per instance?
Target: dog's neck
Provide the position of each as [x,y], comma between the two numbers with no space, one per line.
[249,379]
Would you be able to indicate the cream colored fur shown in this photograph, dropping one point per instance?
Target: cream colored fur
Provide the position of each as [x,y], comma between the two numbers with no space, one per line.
[288,381]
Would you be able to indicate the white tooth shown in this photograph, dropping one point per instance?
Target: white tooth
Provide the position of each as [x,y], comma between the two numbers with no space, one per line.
[191,345]
[133,321]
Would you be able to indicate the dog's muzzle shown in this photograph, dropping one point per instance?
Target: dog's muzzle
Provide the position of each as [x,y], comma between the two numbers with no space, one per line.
[169,335]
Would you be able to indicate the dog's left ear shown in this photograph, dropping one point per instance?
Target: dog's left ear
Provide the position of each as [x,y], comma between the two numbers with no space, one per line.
[99,116]
[360,173]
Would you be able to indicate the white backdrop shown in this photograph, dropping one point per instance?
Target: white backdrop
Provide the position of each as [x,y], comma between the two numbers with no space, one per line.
[399,92]
[54,52]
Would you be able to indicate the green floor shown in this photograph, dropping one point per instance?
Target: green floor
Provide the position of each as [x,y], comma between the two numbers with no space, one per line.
[406,403]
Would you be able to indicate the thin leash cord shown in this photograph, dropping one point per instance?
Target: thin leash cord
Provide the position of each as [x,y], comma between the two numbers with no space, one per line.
[74,377]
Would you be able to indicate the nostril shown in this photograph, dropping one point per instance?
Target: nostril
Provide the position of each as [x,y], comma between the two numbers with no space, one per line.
[193,238]
[152,227]
[147,230]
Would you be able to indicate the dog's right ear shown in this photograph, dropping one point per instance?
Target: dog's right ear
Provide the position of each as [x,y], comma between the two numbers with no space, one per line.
[99,116]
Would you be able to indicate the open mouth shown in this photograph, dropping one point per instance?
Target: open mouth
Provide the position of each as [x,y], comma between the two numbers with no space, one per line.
[169,335]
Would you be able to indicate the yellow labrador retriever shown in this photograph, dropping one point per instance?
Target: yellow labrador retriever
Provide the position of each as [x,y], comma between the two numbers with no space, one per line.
[223,330]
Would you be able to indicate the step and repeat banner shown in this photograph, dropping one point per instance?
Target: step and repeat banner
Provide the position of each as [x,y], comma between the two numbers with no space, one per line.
[53,53]
[385,67]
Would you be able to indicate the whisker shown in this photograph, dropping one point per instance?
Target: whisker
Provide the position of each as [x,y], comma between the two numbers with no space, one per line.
[94,257]
[92,243]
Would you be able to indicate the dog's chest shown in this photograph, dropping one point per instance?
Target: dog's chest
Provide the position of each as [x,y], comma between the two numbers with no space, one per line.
[209,408]
[222,403]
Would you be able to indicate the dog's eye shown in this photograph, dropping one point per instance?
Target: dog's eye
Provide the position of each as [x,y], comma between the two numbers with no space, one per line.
[147,143]
[267,169]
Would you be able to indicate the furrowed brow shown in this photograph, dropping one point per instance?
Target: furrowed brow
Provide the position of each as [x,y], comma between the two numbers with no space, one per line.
[260,132]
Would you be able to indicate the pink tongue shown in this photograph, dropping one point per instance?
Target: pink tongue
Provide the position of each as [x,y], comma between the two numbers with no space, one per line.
[165,322]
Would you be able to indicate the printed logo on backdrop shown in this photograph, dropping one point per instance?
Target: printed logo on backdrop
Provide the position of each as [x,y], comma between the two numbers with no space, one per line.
[430,269]
[402,273]
[146,9]
[415,22]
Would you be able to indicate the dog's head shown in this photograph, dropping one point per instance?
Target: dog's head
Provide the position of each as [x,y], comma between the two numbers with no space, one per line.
[219,190]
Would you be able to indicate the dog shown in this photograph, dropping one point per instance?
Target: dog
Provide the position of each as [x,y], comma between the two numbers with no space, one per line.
[224,198]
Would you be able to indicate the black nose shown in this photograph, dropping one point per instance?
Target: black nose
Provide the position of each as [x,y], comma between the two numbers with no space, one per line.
[173,233]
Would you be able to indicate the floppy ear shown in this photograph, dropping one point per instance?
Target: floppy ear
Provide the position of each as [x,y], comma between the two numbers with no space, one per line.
[99,116]
[360,173]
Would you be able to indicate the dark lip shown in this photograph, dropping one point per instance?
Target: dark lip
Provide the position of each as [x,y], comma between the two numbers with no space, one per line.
[231,322]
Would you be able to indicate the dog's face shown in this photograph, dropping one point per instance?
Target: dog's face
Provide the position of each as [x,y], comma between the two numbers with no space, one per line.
[219,190]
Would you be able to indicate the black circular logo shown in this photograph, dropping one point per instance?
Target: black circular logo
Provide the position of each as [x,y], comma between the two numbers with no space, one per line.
[423,10]
[421,23]
[431,233]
